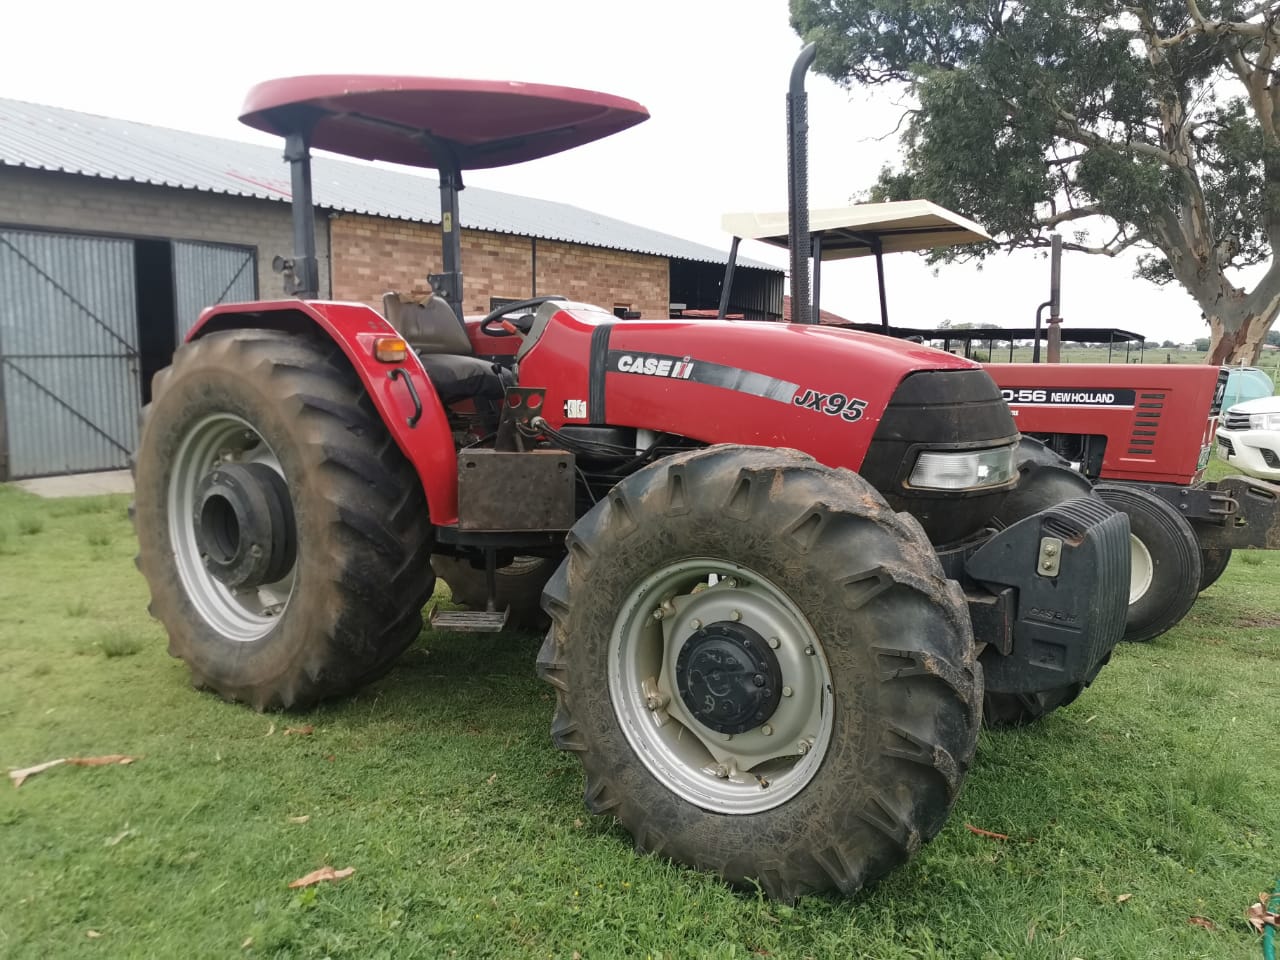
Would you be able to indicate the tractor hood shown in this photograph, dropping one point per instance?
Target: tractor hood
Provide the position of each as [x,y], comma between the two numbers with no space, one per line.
[817,389]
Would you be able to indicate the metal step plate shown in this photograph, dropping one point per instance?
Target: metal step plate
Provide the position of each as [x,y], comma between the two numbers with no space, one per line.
[469,621]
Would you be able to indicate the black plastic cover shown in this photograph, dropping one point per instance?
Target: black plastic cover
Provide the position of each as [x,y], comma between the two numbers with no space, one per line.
[1064,626]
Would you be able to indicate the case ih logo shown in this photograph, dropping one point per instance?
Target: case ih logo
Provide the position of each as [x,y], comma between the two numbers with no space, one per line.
[650,365]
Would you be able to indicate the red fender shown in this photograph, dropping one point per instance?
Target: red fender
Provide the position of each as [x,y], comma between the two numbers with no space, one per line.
[354,327]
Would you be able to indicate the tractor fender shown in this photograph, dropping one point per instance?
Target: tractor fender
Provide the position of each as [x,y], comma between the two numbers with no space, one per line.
[425,439]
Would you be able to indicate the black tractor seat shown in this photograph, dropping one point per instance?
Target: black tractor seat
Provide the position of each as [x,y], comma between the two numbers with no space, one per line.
[456,377]
[430,327]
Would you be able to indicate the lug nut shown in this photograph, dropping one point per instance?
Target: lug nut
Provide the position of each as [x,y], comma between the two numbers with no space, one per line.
[767,730]
[787,691]
[1046,565]
[1050,550]
[809,651]
[758,680]
[802,747]
[659,614]
[735,615]
[722,771]
[695,624]
[774,643]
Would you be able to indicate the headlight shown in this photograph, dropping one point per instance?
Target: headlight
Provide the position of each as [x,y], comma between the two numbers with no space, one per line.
[964,469]
[1264,421]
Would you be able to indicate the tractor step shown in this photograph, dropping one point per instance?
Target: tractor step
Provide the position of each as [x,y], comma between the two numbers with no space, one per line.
[469,621]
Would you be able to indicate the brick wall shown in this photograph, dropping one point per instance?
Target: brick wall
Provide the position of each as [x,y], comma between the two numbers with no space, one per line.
[374,255]
[60,201]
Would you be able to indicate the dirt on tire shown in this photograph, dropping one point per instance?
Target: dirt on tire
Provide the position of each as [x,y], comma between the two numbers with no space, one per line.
[362,571]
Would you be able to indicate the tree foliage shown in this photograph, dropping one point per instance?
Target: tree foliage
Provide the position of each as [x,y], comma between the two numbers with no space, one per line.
[1151,124]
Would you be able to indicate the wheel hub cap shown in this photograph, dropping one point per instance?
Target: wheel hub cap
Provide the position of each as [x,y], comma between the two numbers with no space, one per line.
[728,677]
[244,525]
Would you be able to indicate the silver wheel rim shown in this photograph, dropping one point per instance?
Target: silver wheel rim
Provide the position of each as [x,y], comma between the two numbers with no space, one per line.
[1141,569]
[743,773]
[240,615]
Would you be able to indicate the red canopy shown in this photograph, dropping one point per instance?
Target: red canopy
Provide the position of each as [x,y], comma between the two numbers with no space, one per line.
[418,121]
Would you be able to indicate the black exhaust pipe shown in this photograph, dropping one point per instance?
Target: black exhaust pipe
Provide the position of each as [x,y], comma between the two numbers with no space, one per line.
[798,186]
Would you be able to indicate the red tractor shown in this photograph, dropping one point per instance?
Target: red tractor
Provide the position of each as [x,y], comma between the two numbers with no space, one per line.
[787,556]
[1142,434]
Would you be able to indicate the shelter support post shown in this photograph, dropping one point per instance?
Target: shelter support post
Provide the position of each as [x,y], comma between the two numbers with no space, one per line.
[728,278]
[305,282]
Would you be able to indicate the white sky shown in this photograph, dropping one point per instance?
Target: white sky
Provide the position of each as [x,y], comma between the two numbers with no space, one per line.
[713,74]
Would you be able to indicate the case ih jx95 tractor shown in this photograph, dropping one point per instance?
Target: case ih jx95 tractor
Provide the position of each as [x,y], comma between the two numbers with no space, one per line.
[791,555]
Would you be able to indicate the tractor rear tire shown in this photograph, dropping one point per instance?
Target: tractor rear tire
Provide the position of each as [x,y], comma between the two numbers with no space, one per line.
[518,586]
[1166,567]
[809,571]
[1213,564]
[349,543]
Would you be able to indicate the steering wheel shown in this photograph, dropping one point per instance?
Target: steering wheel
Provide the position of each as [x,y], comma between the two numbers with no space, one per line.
[494,326]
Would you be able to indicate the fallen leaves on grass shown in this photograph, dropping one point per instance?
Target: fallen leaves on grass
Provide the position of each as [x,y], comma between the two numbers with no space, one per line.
[321,875]
[1123,897]
[1204,922]
[92,934]
[977,831]
[1259,916]
[302,819]
[490,780]
[19,777]
[106,761]
[303,731]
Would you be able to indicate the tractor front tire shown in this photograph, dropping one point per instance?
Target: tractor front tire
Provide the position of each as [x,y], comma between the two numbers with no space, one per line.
[284,536]
[763,670]
[1165,565]
[518,586]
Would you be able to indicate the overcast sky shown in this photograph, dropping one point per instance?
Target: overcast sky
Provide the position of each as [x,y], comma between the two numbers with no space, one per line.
[712,73]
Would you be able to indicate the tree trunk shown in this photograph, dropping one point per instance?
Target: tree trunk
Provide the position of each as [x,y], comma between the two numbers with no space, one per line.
[1242,344]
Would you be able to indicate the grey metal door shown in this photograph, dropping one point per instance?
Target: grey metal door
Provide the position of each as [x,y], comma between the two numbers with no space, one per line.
[205,274]
[68,353]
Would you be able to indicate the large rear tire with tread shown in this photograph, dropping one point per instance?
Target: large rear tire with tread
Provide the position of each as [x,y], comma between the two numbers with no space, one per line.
[1166,568]
[351,530]
[518,586]
[829,594]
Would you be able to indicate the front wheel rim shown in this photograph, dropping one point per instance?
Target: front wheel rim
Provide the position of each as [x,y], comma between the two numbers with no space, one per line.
[241,615]
[747,772]
[1141,569]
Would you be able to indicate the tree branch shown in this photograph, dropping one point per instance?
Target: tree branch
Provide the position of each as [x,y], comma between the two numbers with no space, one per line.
[1076,213]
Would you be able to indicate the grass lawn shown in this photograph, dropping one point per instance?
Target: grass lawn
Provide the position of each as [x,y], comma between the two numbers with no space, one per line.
[1154,799]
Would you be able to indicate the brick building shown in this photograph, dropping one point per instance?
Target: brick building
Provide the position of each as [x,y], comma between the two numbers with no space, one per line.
[114,235]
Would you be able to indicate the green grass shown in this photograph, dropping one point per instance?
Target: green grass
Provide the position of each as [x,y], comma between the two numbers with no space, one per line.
[467,830]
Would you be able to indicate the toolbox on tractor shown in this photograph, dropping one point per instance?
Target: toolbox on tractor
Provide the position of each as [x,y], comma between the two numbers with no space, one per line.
[777,558]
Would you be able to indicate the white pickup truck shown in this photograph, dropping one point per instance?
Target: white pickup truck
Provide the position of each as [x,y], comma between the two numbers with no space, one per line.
[1249,437]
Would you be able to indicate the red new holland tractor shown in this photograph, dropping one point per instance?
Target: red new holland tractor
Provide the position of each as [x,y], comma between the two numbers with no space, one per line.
[770,666]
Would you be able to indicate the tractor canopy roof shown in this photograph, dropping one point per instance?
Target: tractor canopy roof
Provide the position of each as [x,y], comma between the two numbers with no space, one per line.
[436,123]
[900,226]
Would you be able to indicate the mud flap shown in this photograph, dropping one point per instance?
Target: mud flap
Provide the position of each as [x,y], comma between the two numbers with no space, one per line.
[1068,570]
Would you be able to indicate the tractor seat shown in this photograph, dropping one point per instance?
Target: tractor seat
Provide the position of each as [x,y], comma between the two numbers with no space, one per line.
[466,378]
[430,327]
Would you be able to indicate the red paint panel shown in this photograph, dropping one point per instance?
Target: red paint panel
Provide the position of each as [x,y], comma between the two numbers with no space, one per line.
[1157,439]
[784,362]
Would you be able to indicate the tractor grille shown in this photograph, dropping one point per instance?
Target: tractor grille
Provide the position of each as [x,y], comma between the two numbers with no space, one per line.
[1146,422]
[1235,421]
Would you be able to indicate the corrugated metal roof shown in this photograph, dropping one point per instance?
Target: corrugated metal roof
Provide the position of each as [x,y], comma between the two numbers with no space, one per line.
[51,138]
